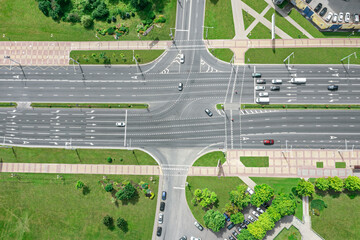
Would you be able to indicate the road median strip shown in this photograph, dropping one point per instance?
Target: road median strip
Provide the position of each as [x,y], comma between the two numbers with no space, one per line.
[90,105]
[8,104]
[302,106]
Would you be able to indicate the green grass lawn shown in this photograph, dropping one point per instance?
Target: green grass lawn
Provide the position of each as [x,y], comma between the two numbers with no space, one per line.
[289,234]
[302,55]
[248,19]
[221,186]
[284,24]
[302,106]
[40,206]
[282,185]
[85,156]
[303,22]
[340,164]
[319,164]
[255,161]
[219,106]
[340,220]
[218,14]
[90,105]
[115,56]
[210,159]
[224,54]
[21,20]
[261,32]
[8,104]
[258,5]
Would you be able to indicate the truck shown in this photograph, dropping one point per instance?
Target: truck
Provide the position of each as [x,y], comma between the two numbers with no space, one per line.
[262,100]
[298,80]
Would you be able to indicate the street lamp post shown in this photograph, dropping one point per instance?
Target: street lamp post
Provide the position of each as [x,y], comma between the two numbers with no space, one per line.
[82,72]
[8,57]
[288,59]
[348,57]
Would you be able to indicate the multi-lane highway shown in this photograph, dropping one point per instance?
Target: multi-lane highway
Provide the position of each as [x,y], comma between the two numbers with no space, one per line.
[175,128]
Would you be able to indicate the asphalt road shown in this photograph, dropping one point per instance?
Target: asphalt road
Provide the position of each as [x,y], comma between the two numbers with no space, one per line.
[175,129]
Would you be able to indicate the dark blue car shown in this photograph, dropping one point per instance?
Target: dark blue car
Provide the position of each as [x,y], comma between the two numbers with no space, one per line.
[164,195]
[227,218]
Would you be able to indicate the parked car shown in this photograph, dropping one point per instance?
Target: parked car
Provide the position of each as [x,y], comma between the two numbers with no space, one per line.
[235,233]
[323,11]
[247,222]
[263,94]
[347,17]
[356,18]
[230,226]
[158,232]
[161,218]
[120,124]
[333,87]
[308,1]
[183,238]
[275,88]
[231,238]
[268,141]
[329,16]
[194,238]
[256,214]
[260,81]
[265,205]
[239,229]
[180,86]
[162,206]
[163,195]
[260,88]
[198,226]
[251,218]
[227,218]
[335,18]
[208,112]
[276,81]
[318,7]
[250,191]
[260,210]
[341,17]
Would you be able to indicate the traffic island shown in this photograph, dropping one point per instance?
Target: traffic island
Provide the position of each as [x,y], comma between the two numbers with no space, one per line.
[8,104]
[91,105]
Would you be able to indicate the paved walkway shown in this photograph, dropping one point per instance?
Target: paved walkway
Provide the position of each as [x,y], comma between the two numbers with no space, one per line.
[236,6]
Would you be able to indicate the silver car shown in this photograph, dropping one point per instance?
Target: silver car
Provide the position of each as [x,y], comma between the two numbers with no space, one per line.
[329,16]
[255,214]
[161,218]
[263,94]
[260,210]
[335,18]
[347,17]
[260,88]
[341,17]
[182,58]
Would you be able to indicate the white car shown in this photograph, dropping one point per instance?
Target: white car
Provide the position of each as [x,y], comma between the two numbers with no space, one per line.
[260,88]
[120,124]
[335,18]
[347,17]
[263,94]
[182,58]
[329,16]
[341,17]
[194,238]
[255,214]
[251,218]
[276,81]
[250,191]
[260,210]
[161,218]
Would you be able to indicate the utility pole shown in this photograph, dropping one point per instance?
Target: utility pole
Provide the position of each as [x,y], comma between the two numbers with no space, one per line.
[207,29]
[288,59]
[273,26]
[82,72]
[8,57]
[348,57]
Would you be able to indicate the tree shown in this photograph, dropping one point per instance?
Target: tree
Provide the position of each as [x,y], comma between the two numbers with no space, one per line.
[245,235]
[257,230]
[230,208]
[336,184]
[263,193]
[126,193]
[139,4]
[79,184]
[44,6]
[352,183]
[285,204]
[240,197]
[108,221]
[55,11]
[87,21]
[109,187]
[204,198]
[266,221]
[274,214]
[237,218]
[322,184]
[121,223]
[214,220]
[305,188]
[101,12]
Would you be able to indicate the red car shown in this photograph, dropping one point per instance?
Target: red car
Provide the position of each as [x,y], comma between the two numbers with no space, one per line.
[269,141]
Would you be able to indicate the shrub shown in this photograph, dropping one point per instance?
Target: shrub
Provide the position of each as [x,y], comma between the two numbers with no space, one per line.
[160,19]
[109,187]
[87,21]
[101,12]
[73,17]
[127,15]
[79,184]
[44,6]
[316,212]
[108,221]
[110,31]
[113,18]
[109,160]
[318,204]
[121,223]
[133,14]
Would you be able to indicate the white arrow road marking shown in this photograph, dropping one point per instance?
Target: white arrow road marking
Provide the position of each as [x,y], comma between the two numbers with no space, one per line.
[289,100]
[245,138]
[25,142]
[134,77]
[333,137]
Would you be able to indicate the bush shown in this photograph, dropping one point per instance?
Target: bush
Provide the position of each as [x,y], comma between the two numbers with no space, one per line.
[44,6]
[318,204]
[110,31]
[101,12]
[109,187]
[73,17]
[79,184]
[113,18]
[108,221]
[316,212]
[160,19]
[133,14]
[109,160]
[87,21]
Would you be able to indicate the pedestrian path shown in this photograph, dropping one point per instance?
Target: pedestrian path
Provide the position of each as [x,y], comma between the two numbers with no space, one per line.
[236,6]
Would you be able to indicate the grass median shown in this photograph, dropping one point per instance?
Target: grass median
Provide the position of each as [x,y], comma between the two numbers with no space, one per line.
[115,56]
[77,156]
[302,106]
[210,159]
[258,5]
[43,206]
[302,55]
[90,105]
[255,161]
[224,54]
[8,104]
[289,234]
[260,31]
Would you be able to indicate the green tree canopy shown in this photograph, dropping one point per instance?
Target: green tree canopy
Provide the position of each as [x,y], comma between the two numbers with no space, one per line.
[322,184]
[257,230]
[263,193]
[204,198]
[128,192]
[273,213]
[245,235]
[266,221]
[240,197]
[108,221]
[285,204]
[336,184]
[79,184]
[214,220]
[305,188]
[237,218]
[121,223]
[230,208]
[352,183]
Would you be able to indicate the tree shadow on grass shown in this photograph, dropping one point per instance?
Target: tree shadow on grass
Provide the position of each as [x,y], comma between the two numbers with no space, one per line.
[214,1]
[132,201]
[334,194]
[85,190]
[352,195]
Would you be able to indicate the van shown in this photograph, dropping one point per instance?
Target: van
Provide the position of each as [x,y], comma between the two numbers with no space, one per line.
[262,100]
[256,75]
[298,80]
